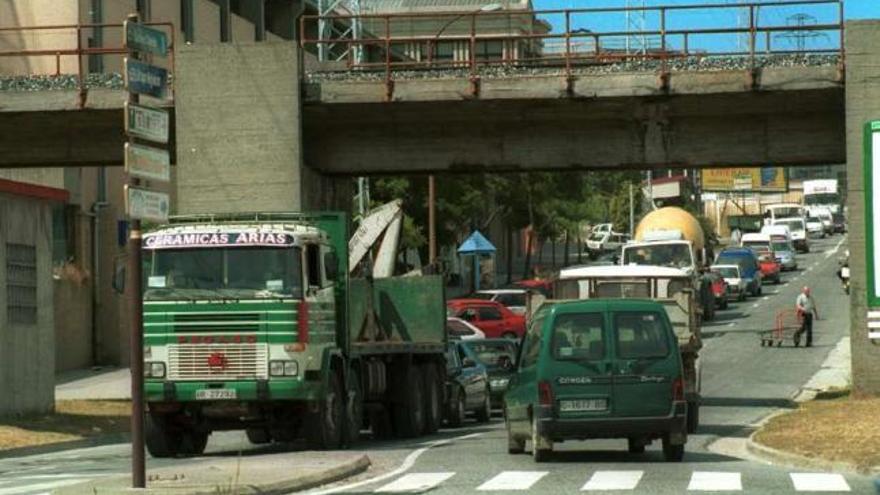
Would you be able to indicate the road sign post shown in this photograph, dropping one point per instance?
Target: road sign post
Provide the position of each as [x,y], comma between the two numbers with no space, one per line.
[142,163]
[872,224]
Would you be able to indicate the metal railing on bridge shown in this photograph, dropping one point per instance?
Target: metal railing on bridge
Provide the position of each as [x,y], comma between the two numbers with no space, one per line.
[563,40]
[55,51]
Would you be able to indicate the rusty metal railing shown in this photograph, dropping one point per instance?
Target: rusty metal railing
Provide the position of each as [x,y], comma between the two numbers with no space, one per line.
[76,49]
[392,42]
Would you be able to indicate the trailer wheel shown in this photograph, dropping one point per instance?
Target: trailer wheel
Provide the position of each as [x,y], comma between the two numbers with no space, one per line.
[354,408]
[258,436]
[409,411]
[433,400]
[324,426]
[161,440]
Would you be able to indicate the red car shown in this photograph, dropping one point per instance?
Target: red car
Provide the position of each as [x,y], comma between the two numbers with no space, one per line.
[493,318]
[770,268]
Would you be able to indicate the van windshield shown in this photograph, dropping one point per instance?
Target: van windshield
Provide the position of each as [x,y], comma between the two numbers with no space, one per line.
[726,271]
[640,335]
[578,337]
[782,246]
[757,245]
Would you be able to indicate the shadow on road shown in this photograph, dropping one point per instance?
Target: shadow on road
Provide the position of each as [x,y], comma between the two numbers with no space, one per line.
[747,402]
[624,457]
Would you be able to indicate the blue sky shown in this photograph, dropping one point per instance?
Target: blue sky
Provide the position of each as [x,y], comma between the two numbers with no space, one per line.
[727,17]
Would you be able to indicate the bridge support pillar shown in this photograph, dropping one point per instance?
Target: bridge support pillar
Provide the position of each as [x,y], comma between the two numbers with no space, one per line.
[862,104]
[238,127]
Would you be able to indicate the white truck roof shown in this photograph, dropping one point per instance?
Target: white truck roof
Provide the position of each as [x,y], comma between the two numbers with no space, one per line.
[630,271]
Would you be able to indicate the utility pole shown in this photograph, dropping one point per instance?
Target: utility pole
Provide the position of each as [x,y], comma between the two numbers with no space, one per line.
[631,210]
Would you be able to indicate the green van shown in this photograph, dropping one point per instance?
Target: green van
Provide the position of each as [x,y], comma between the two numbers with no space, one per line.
[598,368]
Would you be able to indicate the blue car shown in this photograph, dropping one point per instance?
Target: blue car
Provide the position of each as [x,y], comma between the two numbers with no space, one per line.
[747,262]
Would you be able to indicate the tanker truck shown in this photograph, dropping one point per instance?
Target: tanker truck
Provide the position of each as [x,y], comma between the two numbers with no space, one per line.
[672,237]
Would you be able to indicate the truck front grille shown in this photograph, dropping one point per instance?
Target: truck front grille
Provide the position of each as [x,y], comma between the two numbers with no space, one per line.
[216,322]
[218,361]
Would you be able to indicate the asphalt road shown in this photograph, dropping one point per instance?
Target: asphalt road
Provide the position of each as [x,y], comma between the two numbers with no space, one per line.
[742,383]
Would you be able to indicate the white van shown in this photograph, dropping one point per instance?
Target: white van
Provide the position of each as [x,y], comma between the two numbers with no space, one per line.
[757,242]
[798,229]
[777,232]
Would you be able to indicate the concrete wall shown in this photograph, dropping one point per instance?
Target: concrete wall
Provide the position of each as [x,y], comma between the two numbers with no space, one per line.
[25,13]
[862,104]
[27,351]
[73,324]
[238,127]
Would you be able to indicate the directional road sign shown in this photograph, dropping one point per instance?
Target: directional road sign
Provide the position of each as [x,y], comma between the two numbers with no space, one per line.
[146,205]
[146,162]
[144,78]
[145,39]
[872,210]
[146,122]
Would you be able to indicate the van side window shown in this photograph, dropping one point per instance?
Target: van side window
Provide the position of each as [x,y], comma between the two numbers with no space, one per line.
[578,336]
[313,262]
[532,344]
[640,335]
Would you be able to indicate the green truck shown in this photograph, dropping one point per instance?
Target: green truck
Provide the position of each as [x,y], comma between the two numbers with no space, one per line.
[252,321]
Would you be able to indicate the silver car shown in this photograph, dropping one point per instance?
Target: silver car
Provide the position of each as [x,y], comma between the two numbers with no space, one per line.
[785,254]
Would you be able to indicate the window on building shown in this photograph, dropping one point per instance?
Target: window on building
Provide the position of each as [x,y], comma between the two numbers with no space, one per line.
[444,50]
[63,224]
[490,50]
[21,283]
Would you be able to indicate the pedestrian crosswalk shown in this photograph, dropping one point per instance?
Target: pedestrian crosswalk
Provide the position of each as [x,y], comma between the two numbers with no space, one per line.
[605,480]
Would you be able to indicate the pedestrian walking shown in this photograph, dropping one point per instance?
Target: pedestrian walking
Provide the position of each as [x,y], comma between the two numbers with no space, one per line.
[806,309]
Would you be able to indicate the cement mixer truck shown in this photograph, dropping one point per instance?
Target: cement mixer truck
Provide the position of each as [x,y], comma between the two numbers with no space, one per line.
[672,237]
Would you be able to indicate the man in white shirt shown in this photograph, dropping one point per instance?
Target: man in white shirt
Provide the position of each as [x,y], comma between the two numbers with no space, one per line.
[806,308]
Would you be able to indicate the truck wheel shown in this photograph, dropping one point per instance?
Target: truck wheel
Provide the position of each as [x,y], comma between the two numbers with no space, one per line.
[635,446]
[457,409]
[409,412]
[484,413]
[258,436]
[433,400]
[693,417]
[380,424]
[672,453]
[539,454]
[324,426]
[514,445]
[160,439]
[193,443]
[354,408]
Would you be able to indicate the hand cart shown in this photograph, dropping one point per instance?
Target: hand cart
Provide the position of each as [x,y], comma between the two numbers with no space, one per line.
[787,326]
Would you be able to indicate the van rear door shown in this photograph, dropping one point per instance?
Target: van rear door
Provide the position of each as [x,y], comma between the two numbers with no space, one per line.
[646,363]
[579,369]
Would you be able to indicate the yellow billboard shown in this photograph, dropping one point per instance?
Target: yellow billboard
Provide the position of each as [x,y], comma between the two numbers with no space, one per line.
[746,179]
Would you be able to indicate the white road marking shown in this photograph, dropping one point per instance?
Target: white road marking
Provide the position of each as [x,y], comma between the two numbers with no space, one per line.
[831,252]
[819,482]
[785,284]
[765,298]
[513,480]
[708,481]
[415,482]
[756,305]
[405,466]
[613,480]
[731,324]
[49,485]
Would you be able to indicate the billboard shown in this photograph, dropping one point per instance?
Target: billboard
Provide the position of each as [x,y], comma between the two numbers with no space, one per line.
[746,179]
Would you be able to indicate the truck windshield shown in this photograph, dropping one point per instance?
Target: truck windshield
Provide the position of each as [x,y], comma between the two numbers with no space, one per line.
[223,273]
[787,211]
[821,199]
[674,255]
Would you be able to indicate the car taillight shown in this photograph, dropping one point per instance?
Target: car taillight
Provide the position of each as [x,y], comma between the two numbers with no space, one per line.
[545,394]
[678,389]
[302,322]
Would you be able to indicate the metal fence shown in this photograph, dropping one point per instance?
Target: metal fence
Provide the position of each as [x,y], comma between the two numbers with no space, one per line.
[561,38]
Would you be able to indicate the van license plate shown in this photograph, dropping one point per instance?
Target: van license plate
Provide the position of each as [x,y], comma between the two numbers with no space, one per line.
[215,394]
[583,405]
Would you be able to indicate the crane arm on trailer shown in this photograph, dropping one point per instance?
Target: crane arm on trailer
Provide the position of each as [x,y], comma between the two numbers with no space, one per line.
[385,223]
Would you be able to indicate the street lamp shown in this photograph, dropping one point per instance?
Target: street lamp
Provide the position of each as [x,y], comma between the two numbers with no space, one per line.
[491,7]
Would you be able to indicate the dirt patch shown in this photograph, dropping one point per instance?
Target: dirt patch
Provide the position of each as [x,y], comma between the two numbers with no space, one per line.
[839,430]
[72,420]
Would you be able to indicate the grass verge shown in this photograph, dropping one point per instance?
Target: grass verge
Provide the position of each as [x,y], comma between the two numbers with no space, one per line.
[841,430]
[72,420]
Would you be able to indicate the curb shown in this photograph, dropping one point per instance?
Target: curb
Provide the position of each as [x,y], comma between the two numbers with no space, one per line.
[50,448]
[777,457]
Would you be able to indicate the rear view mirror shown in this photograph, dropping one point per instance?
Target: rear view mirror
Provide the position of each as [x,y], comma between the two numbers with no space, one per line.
[118,281]
[331,265]
[468,363]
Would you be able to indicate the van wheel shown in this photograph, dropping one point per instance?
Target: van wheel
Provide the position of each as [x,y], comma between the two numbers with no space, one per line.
[161,440]
[539,454]
[672,453]
[484,413]
[509,335]
[433,401]
[324,426]
[409,412]
[457,409]
[258,436]
[635,446]
[193,443]
[693,417]
[514,446]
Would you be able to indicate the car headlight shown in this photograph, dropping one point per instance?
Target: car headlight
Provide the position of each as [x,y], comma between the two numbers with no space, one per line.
[283,368]
[154,370]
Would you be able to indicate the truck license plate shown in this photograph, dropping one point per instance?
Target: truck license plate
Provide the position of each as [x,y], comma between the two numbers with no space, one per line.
[215,394]
[583,405]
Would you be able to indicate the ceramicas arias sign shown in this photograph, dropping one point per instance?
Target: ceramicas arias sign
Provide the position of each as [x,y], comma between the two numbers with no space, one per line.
[234,239]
